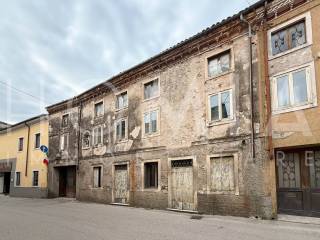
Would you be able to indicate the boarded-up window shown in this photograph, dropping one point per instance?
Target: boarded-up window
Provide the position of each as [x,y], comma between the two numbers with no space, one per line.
[20,145]
[288,170]
[151,175]
[151,89]
[97,177]
[222,174]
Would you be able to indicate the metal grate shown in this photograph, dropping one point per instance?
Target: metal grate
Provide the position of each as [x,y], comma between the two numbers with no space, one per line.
[182,163]
[120,167]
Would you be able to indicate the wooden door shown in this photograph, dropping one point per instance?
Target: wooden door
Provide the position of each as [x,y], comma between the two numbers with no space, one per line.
[121,184]
[62,182]
[299,182]
[71,182]
[182,185]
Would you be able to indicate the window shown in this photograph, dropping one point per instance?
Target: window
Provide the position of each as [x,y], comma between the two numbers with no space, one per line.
[289,37]
[35,179]
[97,136]
[65,120]
[222,174]
[98,109]
[86,140]
[18,179]
[219,64]
[151,122]
[221,106]
[292,89]
[97,177]
[20,144]
[64,140]
[151,89]
[121,129]
[122,100]
[288,170]
[151,175]
[37,141]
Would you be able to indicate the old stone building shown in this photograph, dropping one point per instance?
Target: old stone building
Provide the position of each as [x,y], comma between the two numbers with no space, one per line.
[185,130]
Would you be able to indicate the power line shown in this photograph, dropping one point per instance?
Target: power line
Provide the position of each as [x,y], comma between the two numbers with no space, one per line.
[21,91]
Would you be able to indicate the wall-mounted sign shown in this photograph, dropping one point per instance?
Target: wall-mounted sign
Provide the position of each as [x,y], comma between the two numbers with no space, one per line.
[44,149]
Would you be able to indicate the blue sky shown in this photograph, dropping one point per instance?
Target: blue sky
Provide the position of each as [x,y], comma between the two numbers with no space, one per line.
[53,50]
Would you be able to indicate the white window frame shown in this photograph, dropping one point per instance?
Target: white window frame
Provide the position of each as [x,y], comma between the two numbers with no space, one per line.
[236,166]
[33,178]
[148,81]
[35,140]
[308,29]
[94,109]
[143,175]
[116,104]
[101,175]
[157,133]
[311,90]
[126,129]
[93,136]
[221,120]
[62,143]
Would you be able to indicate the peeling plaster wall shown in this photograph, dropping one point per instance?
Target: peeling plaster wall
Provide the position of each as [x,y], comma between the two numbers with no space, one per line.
[184,131]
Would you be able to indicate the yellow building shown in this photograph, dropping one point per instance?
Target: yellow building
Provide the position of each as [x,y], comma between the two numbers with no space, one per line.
[23,171]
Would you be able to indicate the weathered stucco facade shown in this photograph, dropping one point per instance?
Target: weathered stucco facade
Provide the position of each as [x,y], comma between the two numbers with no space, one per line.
[202,154]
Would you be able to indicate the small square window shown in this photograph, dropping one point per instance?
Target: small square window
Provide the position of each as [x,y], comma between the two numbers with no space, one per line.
[35,179]
[97,177]
[219,64]
[65,120]
[151,175]
[151,89]
[18,175]
[37,141]
[98,109]
[122,100]
[20,144]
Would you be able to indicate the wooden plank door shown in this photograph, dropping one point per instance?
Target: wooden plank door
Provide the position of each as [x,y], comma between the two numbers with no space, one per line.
[121,184]
[182,185]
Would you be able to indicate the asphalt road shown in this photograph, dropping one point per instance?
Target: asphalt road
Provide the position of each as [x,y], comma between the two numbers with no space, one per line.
[34,219]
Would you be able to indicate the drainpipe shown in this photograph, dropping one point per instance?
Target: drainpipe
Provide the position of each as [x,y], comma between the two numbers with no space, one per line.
[79,134]
[27,145]
[79,150]
[253,148]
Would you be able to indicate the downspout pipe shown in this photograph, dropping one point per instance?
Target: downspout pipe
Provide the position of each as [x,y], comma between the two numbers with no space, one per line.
[253,148]
[79,148]
[27,145]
